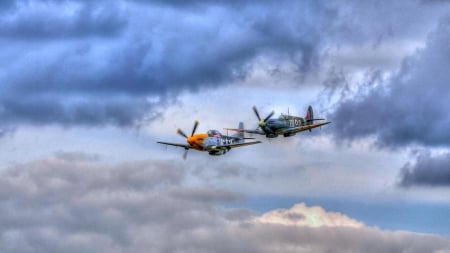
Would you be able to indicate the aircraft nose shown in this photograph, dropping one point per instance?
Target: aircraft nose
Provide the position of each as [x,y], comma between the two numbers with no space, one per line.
[190,140]
[262,123]
[195,141]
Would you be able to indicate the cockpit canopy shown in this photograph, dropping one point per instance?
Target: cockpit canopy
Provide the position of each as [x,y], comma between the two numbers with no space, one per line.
[215,133]
[284,117]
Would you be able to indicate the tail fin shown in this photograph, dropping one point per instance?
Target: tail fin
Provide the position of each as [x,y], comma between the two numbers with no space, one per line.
[309,116]
[240,134]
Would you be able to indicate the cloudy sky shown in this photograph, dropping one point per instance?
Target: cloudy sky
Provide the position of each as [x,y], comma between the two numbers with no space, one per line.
[88,87]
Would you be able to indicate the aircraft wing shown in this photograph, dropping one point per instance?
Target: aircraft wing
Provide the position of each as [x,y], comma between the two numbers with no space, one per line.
[185,146]
[246,131]
[237,145]
[304,128]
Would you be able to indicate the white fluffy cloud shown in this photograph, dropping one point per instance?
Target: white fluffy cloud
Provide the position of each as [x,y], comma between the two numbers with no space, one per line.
[73,202]
[301,215]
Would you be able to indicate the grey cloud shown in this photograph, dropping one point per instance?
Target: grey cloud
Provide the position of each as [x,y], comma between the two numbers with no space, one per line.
[76,156]
[205,195]
[119,54]
[46,21]
[375,22]
[62,203]
[106,81]
[426,170]
[65,204]
[434,2]
[55,110]
[6,5]
[6,131]
[409,107]
[240,215]
[340,240]
[223,171]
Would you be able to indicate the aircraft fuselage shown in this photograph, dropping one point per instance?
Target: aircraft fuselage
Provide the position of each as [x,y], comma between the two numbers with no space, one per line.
[274,127]
[210,141]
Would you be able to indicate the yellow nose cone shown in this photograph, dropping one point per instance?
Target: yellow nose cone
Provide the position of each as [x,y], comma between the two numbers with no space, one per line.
[262,123]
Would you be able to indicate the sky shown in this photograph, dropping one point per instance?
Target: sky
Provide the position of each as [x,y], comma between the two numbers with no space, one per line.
[89,87]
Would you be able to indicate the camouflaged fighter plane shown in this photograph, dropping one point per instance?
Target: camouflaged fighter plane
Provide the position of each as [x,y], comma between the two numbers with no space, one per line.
[212,141]
[285,125]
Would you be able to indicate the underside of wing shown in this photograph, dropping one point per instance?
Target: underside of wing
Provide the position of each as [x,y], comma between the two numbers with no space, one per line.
[241,138]
[185,146]
[306,127]
[246,131]
[237,145]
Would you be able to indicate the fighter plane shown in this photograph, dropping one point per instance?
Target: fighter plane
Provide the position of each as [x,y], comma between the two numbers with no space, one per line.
[285,125]
[212,141]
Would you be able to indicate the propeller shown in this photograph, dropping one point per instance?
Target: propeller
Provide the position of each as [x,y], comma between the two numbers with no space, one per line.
[180,132]
[269,116]
[262,123]
[256,112]
[185,154]
[194,128]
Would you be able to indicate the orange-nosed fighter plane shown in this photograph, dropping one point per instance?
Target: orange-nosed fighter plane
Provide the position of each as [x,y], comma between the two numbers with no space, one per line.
[212,141]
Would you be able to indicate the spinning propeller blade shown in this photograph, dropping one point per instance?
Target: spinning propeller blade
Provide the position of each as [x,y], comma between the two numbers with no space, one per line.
[269,116]
[261,122]
[194,128]
[256,112]
[181,133]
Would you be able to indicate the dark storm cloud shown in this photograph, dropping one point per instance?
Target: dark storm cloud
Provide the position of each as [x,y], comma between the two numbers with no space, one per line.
[426,170]
[6,5]
[435,2]
[78,63]
[40,111]
[407,108]
[73,202]
[47,21]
